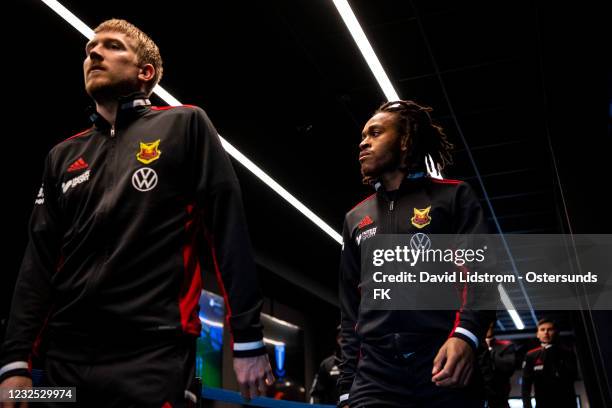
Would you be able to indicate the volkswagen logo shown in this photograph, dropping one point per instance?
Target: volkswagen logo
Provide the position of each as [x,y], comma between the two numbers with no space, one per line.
[420,241]
[144,179]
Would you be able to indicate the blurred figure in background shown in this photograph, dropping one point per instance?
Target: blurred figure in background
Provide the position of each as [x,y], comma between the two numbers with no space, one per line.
[324,388]
[551,369]
[497,361]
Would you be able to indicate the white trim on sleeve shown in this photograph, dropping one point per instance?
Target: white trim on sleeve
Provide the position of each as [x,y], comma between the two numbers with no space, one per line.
[14,366]
[468,334]
[251,345]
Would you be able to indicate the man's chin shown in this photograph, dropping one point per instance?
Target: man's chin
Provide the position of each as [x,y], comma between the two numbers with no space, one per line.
[98,90]
[367,171]
[101,91]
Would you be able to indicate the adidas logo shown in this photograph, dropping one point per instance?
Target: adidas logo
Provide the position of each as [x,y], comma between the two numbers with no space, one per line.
[78,165]
[365,222]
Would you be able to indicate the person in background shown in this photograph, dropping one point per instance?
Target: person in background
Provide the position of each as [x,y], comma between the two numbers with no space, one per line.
[497,361]
[324,388]
[550,369]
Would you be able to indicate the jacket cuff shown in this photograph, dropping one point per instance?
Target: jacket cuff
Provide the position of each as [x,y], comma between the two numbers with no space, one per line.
[249,349]
[466,335]
[16,368]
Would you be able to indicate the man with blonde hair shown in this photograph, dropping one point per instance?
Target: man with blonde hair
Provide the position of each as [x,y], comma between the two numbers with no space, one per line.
[111,277]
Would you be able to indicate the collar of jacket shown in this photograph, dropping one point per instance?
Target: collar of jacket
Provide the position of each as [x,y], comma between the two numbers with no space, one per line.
[407,181]
[131,107]
[547,345]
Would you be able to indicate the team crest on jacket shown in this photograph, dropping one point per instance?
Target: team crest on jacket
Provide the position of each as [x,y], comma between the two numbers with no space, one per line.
[149,152]
[421,218]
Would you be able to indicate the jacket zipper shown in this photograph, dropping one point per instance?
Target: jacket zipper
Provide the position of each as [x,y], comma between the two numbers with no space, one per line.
[107,235]
[111,157]
[94,280]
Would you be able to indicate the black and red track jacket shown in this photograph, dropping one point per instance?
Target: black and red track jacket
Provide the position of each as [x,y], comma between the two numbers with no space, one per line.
[551,369]
[115,240]
[455,209]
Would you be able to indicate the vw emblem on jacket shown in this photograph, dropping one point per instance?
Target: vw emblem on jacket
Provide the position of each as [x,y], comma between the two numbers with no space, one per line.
[420,241]
[144,179]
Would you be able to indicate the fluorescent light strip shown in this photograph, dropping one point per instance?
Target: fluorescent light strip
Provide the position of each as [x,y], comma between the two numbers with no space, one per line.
[366,49]
[510,307]
[211,322]
[165,96]
[231,150]
[273,342]
[70,18]
[259,173]
[281,322]
[280,190]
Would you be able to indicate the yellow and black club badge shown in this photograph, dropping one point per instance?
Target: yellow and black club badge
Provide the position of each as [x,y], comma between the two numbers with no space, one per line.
[421,218]
[149,152]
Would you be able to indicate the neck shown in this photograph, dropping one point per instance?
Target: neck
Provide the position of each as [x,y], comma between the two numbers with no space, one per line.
[392,179]
[108,110]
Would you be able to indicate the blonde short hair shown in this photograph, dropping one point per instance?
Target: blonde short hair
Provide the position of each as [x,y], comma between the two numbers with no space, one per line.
[146,49]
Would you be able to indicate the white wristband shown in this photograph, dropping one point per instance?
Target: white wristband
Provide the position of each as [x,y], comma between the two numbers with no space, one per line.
[468,334]
[14,366]
[251,345]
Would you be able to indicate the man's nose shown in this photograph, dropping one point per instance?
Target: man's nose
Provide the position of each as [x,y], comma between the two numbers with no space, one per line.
[95,53]
[365,142]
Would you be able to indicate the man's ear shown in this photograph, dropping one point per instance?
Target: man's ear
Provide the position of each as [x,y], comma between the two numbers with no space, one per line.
[147,72]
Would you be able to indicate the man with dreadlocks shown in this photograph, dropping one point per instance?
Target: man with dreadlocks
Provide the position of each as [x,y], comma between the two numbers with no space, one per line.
[407,358]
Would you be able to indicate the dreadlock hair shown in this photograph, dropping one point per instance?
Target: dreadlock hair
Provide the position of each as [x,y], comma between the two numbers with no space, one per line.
[424,138]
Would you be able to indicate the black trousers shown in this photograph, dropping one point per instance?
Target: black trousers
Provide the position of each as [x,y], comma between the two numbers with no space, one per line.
[398,374]
[154,377]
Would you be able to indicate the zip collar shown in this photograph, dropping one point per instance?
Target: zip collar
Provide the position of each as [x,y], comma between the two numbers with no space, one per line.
[130,107]
[416,176]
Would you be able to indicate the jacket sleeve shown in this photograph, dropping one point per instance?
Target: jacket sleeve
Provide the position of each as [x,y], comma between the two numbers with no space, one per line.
[505,360]
[350,297]
[527,381]
[471,324]
[219,197]
[33,291]
[317,390]
[567,367]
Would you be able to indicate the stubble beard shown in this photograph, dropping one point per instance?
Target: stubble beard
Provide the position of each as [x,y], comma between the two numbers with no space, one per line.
[392,163]
[108,91]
